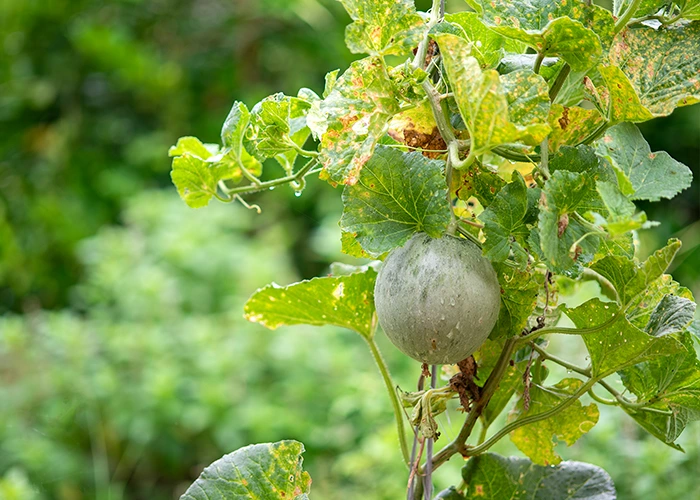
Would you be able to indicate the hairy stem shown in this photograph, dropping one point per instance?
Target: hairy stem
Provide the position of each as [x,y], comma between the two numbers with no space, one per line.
[261,186]
[561,362]
[390,387]
[477,450]
[559,82]
[458,444]
[421,52]
[626,16]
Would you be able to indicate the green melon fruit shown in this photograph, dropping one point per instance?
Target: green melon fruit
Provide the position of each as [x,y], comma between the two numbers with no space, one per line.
[437,299]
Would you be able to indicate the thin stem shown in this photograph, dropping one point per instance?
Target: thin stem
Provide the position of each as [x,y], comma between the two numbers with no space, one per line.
[627,16]
[538,62]
[443,125]
[559,82]
[604,283]
[428,480]
[477,450]
[561,362]
[602,401]
[303,152]
[419,59]
[398,413]
[573,331]
[252,188]
[515,156]
[458,444]
[471,223]
[468,236]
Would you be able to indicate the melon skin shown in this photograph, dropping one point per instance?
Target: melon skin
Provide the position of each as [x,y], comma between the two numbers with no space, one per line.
[437,299]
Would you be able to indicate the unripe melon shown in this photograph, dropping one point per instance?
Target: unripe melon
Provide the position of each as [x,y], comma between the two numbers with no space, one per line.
[437,299]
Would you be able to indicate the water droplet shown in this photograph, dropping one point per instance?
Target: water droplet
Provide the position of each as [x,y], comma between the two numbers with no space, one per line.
[297,193]
[442,301]
[272,188]
[452,301]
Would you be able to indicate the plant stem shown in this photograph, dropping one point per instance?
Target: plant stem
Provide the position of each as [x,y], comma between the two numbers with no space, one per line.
[625,18]
[252,188]
[391,389]
[559,82]
[477,450]
[458,444]
[554,359]
[538,62]
[428,486]
[572,331]
[435,17]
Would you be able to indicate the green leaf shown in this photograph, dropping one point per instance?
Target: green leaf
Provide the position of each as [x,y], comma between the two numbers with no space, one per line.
[662,65]
[572,30]
[622,213]
[670,384]
[672,314]
[383,27]
[494,477]
[566,239]
[416,128]
[255,472]
[518,298]
[352,119]
[278,127]
[195,180]
[487,45]
[617,96]
[504,223]
[193,147]
[486,103]
[345,301]
[536,440]
[614,344]
[571,125]
[652,176]
[398,194]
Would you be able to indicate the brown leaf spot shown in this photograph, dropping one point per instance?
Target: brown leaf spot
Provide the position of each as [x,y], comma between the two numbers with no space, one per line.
[564,120]
[562,224]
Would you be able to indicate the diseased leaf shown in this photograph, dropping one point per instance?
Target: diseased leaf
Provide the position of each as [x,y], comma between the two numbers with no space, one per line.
[494,477]
[487,45]
[352,119]
[518,299]
[566,239]
[383,27]
[536,440]
[618,97]
[662,65]
[618,344]
[416,128]
[504,223]
[652,176]
[398,194]
[345,301]
[670,384]
[255,472]
[483,100]
[278,127]
[572,30]
[571,125]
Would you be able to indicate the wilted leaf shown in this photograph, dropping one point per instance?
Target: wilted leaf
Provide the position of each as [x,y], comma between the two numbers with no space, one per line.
[398,194]
[345,301]
[255,472]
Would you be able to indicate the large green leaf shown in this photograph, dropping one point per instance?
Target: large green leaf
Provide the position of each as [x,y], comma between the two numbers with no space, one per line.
[195,179]
[255,472]
[671,385]
[536,440]
[345,301]
[614,344]
[398,194]
[617,96]
[493,477]
[652,175]
[504,223]
[572,30]
[518,299]
[495,111]
[622,213]
[662,65]
[383,27]
[234,157]
[353,118]
[690,9]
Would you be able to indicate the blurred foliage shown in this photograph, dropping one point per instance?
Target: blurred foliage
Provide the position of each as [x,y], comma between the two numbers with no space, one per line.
[125,364]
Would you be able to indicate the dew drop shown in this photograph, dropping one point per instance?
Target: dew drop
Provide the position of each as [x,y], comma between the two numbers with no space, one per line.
[297,193]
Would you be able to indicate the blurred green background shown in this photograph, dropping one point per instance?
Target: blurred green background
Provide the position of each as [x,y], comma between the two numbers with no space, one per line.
[125,364]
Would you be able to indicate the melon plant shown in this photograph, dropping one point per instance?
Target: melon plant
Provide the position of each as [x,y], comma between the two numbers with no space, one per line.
[488,161]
